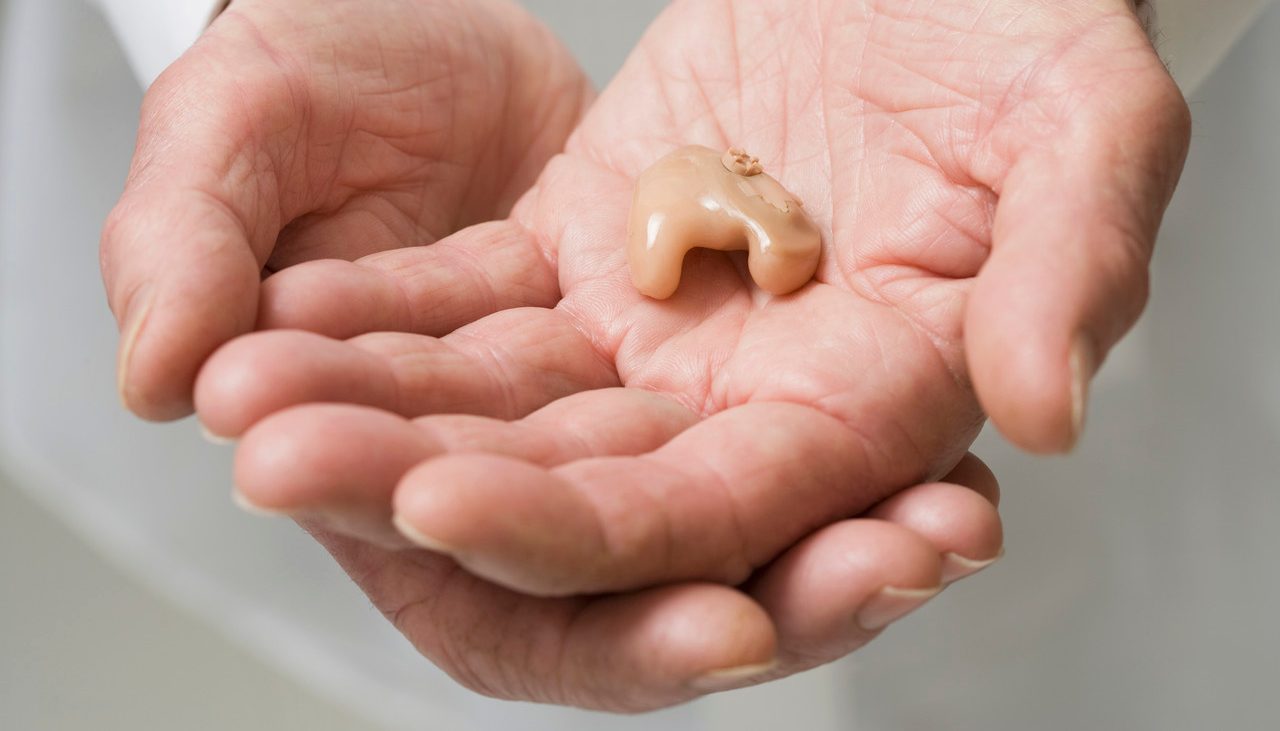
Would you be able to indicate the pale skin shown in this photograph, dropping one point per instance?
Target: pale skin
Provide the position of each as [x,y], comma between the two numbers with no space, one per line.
[734,470]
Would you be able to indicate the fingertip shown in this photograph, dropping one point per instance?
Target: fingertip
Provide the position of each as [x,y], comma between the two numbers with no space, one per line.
[509,521]
[150,393]
[136,383]
[230,390]
[182,281]
[1031,370]
[216,440]
[411,532]
[275,463]
[682,640]
[440,502]
[732,644]
[832,592]
[262,373]
[958,522]
[156,374]
[1019,361]
[956,566]
[248,505]
[335,465]
[891,554]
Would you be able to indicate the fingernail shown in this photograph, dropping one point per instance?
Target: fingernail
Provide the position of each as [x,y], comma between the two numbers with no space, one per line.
[728,678]
[253,508]
[419,538]
[214,438]
[135,318]
[892,604]
[1083,363]
[956,567]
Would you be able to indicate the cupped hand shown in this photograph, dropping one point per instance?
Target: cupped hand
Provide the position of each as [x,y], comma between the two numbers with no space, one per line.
[989,180]
[297,130]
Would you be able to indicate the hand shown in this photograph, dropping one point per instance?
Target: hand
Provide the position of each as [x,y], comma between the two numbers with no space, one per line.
[1009,191]
[298,130]
[988,221]
[829,595]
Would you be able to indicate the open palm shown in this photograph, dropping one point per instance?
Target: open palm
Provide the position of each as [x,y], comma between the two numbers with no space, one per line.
[989,180]
[916,138]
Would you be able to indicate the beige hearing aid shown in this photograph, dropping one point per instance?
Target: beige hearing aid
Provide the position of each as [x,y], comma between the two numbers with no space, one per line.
[697,197]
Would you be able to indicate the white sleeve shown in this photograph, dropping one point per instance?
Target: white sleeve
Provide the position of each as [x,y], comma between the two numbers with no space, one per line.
[1193,36]
[155,32]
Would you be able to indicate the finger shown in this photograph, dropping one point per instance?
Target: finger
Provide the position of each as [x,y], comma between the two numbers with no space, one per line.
[625,653]
[957,516]
[431,290]
[1073,236]
[182,251]
[505,366]
[338,465]
[720,499]
[837,589]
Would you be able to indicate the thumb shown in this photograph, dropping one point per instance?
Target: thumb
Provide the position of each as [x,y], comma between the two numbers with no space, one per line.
[183,250]
[1074,232]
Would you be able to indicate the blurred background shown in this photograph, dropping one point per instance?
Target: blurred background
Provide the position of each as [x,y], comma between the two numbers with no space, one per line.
[1140,588]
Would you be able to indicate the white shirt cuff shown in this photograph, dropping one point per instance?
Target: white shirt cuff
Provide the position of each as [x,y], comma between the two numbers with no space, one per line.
[154,33]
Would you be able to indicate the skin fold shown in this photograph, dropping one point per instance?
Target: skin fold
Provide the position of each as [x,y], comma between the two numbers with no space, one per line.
[728,474]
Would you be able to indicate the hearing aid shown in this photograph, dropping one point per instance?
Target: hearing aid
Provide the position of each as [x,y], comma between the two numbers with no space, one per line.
[696,197]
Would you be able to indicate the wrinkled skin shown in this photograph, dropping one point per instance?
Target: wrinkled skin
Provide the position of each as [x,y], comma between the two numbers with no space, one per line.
[297,131]
[989,180]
